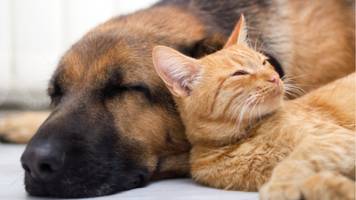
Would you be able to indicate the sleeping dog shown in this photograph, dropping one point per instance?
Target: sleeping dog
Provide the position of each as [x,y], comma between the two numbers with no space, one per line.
[114,125]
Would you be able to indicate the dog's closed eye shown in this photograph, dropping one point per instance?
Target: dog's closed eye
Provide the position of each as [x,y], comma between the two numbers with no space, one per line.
[111,91]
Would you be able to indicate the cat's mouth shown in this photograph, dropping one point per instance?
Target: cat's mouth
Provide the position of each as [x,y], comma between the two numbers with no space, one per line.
[278,92]
[275,94]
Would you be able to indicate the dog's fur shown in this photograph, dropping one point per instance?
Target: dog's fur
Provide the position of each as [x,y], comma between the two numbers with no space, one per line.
[108,100]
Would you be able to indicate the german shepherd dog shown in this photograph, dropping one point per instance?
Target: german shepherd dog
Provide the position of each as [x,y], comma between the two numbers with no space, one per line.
[114,125]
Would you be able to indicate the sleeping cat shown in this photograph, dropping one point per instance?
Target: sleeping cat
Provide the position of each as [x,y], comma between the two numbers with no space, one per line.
[245,136]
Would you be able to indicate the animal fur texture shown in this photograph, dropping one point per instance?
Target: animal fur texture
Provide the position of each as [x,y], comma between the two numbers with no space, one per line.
[108,100]
[298,33]
[246,137]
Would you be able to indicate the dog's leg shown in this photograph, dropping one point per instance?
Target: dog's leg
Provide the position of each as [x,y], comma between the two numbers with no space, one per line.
[20,127]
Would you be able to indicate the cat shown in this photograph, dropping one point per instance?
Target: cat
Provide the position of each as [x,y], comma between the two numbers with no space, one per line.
[246,136]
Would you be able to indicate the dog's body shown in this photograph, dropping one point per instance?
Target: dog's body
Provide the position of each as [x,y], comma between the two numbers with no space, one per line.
[115,122]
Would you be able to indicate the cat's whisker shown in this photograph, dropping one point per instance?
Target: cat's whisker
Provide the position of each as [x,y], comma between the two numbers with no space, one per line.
[252,103]
[258,46]
[259,113]
[291,85]
[293,95]
[252,111]
[293,79]
[238,109]
[252,28]
[262,93]
[288,79]
[294,76]
[244,108]
[258,109]
[261,48]
[289,95]
[291,88]
[255,45]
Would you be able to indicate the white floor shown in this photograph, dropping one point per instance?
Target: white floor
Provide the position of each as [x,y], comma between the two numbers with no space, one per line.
[11,184]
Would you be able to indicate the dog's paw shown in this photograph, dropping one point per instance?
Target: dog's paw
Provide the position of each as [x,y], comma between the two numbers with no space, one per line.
[280,191]
[20,127]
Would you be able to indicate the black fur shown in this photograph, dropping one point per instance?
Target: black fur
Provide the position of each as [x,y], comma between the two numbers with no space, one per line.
[92,148]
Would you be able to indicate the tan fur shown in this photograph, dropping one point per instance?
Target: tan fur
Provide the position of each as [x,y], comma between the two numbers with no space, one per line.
[323,40]
[301,40]
[19,127]
[244,135]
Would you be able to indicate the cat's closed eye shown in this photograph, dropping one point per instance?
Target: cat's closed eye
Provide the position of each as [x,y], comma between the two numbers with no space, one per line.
[264,62]
[240,73]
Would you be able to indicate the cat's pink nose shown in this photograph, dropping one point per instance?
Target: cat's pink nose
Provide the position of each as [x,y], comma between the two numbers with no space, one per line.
[274,79]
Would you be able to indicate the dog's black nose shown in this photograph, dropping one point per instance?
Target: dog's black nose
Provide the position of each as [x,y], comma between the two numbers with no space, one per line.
[43,161]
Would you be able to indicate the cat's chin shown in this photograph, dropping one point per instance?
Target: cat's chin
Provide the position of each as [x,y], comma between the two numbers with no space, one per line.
[271,104]
[274,98]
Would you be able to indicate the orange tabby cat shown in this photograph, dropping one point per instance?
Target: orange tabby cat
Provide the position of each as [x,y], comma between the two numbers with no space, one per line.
[246,137]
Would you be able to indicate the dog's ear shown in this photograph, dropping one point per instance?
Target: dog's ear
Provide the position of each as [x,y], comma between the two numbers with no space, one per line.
[239,34]
[178,72]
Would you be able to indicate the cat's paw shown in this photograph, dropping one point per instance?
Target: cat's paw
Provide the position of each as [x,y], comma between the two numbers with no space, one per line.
[280,191]
[328,185]
[20,127]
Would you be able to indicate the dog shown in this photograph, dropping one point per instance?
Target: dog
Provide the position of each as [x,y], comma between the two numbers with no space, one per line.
[114,126]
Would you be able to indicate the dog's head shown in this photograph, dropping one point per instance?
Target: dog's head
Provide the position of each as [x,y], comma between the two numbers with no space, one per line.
[114,125]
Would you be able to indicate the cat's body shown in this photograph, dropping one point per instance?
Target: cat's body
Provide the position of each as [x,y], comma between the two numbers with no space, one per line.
[300,126]
[244,135]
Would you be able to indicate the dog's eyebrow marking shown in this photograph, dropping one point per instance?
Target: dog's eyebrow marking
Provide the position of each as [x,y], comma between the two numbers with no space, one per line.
[157,95]
[140,87]
[112,89]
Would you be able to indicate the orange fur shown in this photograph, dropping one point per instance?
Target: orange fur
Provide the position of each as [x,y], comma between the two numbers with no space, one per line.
[244,135]
[313,41]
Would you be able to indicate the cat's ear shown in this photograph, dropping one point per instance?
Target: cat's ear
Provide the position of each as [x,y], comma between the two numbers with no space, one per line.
[178,72]
[239,34]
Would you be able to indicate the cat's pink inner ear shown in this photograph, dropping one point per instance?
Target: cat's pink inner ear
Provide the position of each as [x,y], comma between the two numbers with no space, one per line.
[239,34]
[176,70]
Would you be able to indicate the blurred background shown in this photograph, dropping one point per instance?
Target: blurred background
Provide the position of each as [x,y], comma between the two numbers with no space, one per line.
[33,36]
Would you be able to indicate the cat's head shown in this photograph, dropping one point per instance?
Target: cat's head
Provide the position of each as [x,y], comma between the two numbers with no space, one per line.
[235,83]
